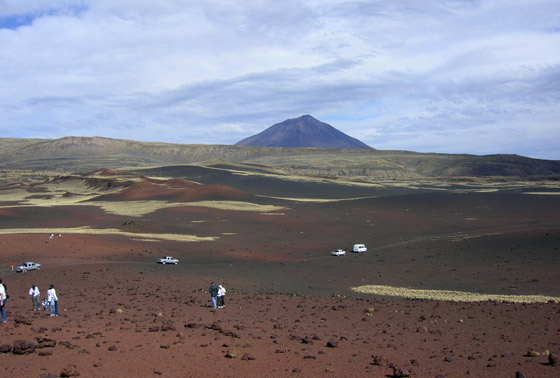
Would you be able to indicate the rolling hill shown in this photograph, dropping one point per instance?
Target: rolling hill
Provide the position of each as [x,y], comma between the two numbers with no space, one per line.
[80,154]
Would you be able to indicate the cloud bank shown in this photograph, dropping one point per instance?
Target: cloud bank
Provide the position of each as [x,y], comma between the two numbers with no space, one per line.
[454,76]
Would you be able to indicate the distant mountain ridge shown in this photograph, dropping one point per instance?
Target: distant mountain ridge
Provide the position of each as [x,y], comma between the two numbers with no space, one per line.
[304,131]
[83,154]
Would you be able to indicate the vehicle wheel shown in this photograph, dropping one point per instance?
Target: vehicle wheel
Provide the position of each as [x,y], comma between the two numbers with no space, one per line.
[175,263]
[163,263]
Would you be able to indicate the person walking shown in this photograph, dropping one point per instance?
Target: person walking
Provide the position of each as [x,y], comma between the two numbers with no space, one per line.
[3,298]
[221,296]
[34,294]
[12,266]
[52,299]
[213,293]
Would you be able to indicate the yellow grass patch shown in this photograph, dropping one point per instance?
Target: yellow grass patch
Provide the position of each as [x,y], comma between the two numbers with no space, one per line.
[108,231]
[233,205]
[544,193]
[449,295]
[134,208]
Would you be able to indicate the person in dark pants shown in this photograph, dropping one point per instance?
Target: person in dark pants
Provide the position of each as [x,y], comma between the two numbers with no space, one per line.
[213,293]
[34,294]
[221,296]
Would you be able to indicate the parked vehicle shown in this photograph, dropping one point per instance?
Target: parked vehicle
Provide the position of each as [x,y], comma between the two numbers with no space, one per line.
[28,266]
[338,252]
[167,260]
[359,248]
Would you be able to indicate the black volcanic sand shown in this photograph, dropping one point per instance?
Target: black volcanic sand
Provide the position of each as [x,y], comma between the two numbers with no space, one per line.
[501,243]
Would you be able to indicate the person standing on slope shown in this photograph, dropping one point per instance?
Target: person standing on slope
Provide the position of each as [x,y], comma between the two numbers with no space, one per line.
[34,294]
[52,299]
[213,293]
[3,298]
[221,296]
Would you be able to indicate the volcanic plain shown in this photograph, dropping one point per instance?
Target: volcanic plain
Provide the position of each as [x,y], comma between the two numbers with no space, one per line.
[460,278]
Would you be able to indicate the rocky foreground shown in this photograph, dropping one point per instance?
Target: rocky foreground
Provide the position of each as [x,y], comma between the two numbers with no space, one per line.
[115,319]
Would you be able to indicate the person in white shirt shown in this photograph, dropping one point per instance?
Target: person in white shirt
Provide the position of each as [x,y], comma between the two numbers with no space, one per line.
[3,298]
[52,299]
[221,296]
[34,294]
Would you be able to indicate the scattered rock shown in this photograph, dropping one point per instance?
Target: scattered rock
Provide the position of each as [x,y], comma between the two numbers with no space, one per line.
[43,342]
[519,375]
[231,354]
[532,353]
[5,348]
[332,344]
[553,360]
[112,348]
[20,319]
[69,371]
[23,347]
[247,357]
[449,358]
[168,326]
[380,360]
[45,353]
[399,373]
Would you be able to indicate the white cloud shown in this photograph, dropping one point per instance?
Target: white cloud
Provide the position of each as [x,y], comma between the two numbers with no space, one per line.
[403,74]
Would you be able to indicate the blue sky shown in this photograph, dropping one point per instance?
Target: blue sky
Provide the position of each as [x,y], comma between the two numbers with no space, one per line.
[450,76]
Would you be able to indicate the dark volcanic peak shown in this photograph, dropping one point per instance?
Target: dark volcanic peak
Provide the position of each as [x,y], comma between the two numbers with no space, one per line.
[304,131]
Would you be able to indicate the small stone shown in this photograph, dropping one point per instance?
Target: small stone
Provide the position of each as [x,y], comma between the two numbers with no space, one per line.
[519,375]
[231,354]
[112,348]
[5,348]
[449,358]
[397,372]
[553,360]
[43,342]
[532,353]
[380,360]
[69,371]
[247,357]
[332,344]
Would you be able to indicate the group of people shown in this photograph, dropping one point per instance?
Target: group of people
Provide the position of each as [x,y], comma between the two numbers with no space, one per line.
[51,302]
[218,294]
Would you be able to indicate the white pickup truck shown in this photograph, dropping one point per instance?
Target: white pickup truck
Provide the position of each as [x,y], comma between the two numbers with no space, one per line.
[24,267]
[167,260]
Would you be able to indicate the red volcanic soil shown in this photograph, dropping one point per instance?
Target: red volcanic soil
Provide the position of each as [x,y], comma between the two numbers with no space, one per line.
[175,191]
[289,308]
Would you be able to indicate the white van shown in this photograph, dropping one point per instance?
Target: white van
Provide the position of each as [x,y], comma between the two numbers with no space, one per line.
[359,248]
